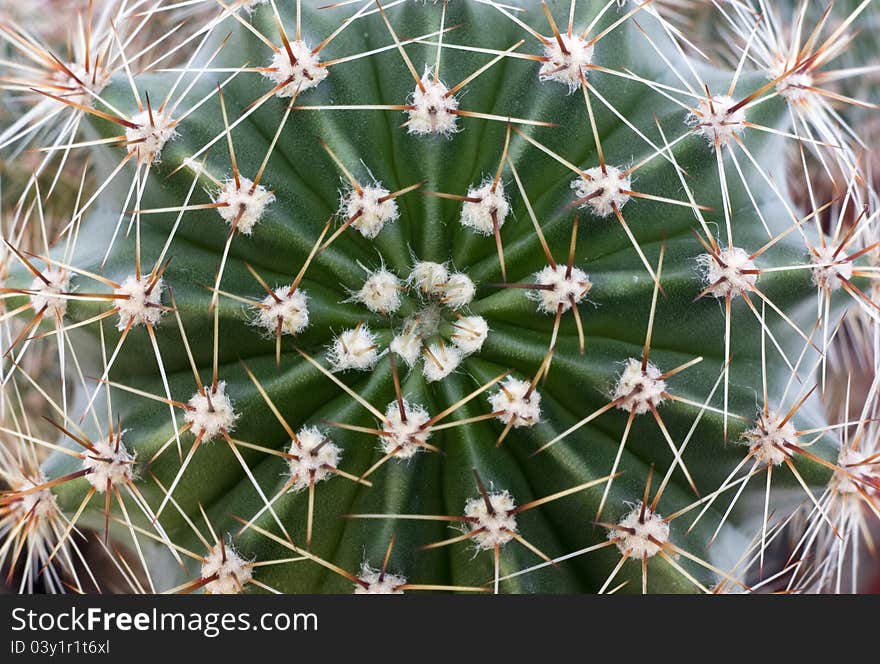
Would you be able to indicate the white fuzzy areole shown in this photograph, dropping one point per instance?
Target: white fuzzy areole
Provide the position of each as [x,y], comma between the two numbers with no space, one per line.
[233,572]
[725,274]
[37,504]
[211,413]
[575,287]
[611,183]
[243,205]
[715,121]
[794,87]
[518,406]
[498,525]
[147,139]
[639,391]
[493,207]
[316,460]
[373,207]
[429,277]
[569,65]
[110,463]
[45,295]
[407,345]
[828,270]
[459,291]
[377,584]
[356,348]
[139,307]
[408,434]
[84,85]
[634,539]
[862,475]
[432,110]
[470,334]
[290,308]
[380,292]
[301,73]
[768,438]
[440,361]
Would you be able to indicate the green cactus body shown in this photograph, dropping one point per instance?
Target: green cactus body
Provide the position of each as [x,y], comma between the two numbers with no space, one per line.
[433,475]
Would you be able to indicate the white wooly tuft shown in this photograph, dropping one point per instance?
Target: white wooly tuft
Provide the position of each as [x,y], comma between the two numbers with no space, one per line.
[210,413]
[407,435]
[373,207]
[498,525]
[856,474]
[429,277]
[640,537]
[150,135]
[45,296]
[356,348]
[794,87]
[433,109]
[728,274]
[301,73]
[110,464]
[290,308]
[470,334]
[407,345]
[316,458]
[828,270]
[516,403]
[33,504]
[575,287]
[137,306]
[639,391]
[440,361]
[244,204]
[716,121]
[459,291]
[604,189]
[768,439]
[380,292]
[566,65]
[378,583]
[84,85]
[492,208]
[232,571]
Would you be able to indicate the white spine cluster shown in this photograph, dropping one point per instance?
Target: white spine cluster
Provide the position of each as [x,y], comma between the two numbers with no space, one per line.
[356,348]
[210,413]
[828,269]
[639,391]
[566,65]
[492,207]
[377,583]
[316,458]
[408,345]
[243,203]
[290,308]
[729,273]
[372,207]
[497,525]
[298,73]
[440,361]
[601,191]
[45,295]
[432,108]
[470,334]
[716,120]
[407,435]
[640,537]
[84,84]
[110,464]
[459,291]
[516,402]
[565,288]
[150,135]
[136,305]
[36,504]
[380,292]
[430,278]
[767,440]
[232,572]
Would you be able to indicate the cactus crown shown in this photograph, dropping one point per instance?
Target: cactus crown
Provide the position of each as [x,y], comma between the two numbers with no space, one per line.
[459,295]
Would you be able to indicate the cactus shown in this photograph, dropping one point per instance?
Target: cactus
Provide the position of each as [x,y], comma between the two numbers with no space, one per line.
[466,296]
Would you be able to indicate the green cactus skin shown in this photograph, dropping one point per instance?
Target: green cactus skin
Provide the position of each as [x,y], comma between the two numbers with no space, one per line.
[306,185]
